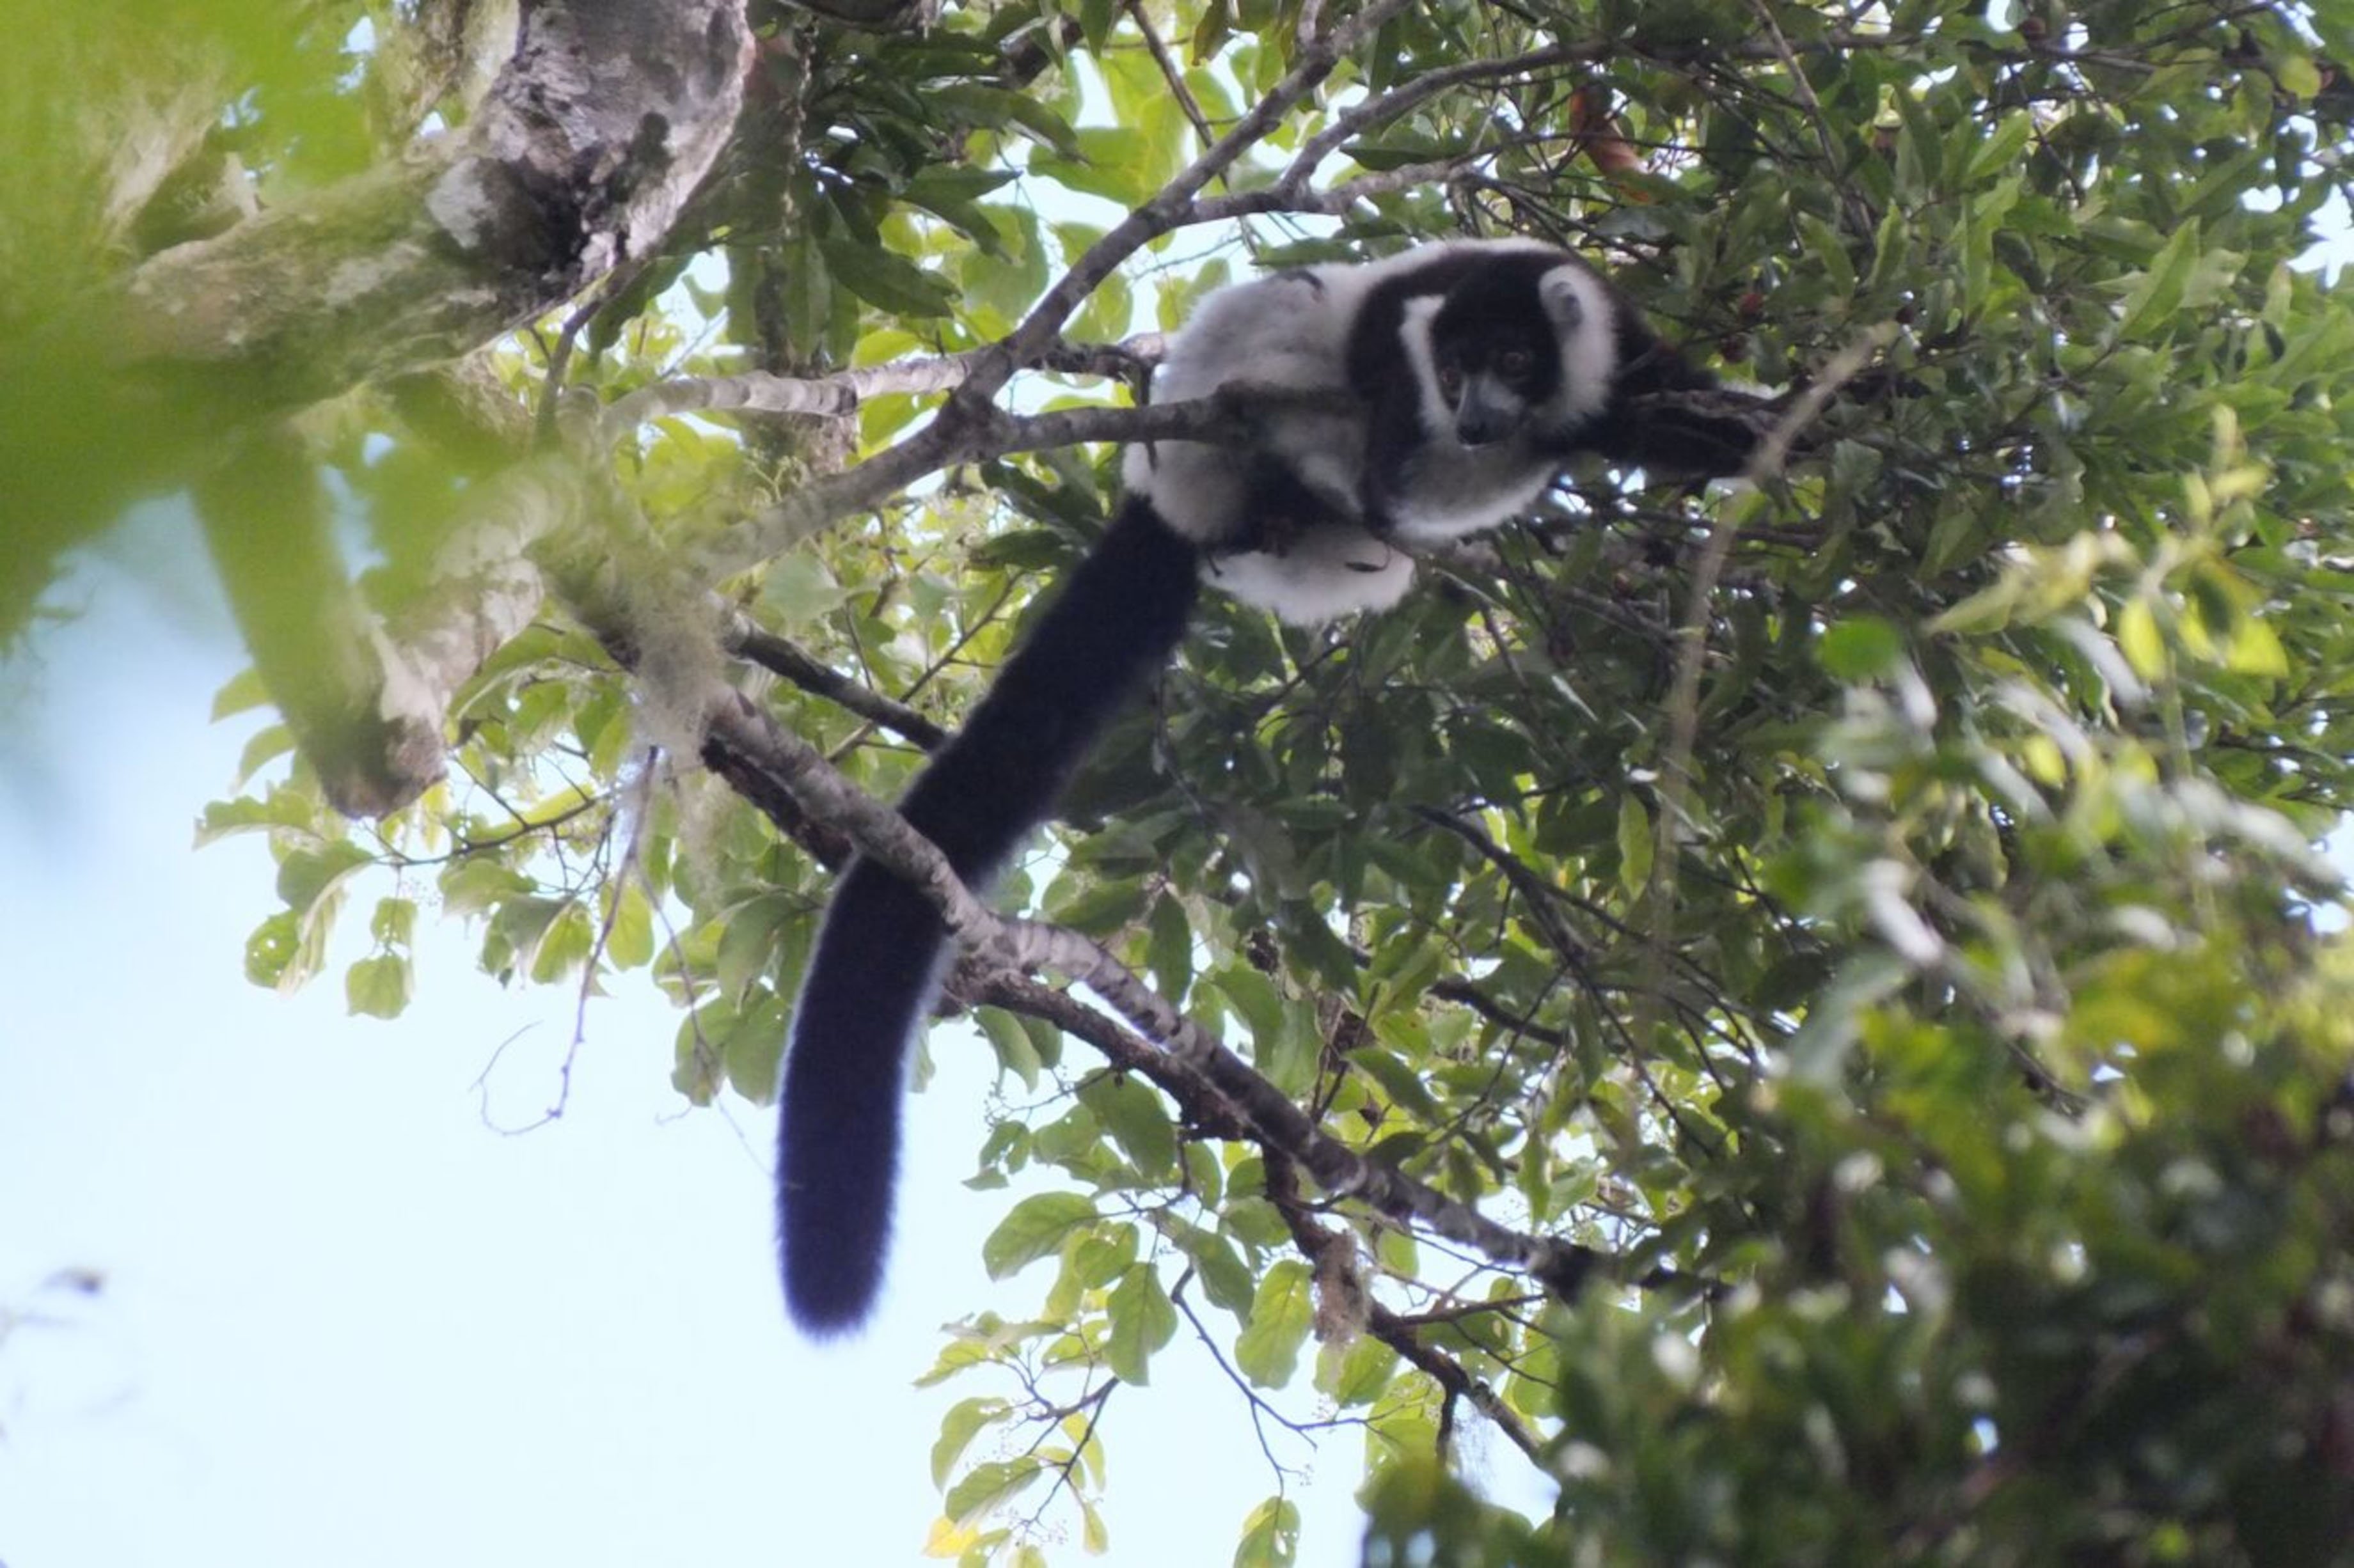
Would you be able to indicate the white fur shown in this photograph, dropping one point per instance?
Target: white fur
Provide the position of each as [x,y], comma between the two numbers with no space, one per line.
[1290,331]
[1422,358]
[1589,343]
[1327,574]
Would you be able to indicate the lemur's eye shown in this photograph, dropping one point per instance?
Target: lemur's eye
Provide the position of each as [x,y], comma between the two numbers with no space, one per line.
[1515,363]
[1450,382]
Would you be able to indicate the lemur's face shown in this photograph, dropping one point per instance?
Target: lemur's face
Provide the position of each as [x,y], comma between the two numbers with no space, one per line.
[1489,391]
[1496,353]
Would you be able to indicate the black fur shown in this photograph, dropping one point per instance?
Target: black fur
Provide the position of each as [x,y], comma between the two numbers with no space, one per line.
[881,953]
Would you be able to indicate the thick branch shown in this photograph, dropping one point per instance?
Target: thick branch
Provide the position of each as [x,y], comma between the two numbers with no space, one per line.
[605,119]
[1226,419]
[841,393]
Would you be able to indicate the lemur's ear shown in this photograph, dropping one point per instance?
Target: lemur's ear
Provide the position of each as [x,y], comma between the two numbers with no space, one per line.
[1563,293]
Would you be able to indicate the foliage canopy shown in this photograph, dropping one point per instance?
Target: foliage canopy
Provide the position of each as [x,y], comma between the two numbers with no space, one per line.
[1873,911]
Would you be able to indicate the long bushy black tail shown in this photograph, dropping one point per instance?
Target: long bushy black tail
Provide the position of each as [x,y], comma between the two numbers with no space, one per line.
[881,952]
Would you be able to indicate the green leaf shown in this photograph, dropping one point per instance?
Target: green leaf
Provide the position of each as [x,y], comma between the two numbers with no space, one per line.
[631,942]
[1169,949]
[1141,1321]
[1363,1372]
[1270,1536]
[480,884]
[1037,1228]
[800,587]
[1226,1278]
[1988,609]
[2150,304]
[1268,1351]
[1254,998]
[1861,648]
[1095,1536]
[378,987]
[1400,1082]
[2139,636]
[998,106]
[564,944]
[1829,252]
[1635,844]
[1210,29]
[1290,1056]
[1107,314]
[1000,286]
[1006,1036]
[748,941]
[225,819]
[270,742]
[753,1051]
[2298,75]
[2000,150]
[1115,163]
[887,280]
[988,1487]
[964,1420]
[949,191]
[1130,1110]
[2255,650]
[243,691]
[1103,1254]
[271,950]
[394,922]
[308,875]
[808,293]
[1101,908]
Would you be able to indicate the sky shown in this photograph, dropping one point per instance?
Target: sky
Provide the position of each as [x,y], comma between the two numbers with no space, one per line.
[344,1319]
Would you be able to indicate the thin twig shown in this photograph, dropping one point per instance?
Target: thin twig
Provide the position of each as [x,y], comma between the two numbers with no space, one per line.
[1765,464]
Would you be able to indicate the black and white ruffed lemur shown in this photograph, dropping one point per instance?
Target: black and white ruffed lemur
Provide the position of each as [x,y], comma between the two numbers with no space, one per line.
[1463,375]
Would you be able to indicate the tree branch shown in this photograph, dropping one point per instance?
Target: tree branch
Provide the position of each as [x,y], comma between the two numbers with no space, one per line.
[1334,1254]
[748,748]
[604,119]
[1228,418]
[841,393]
[782,657]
